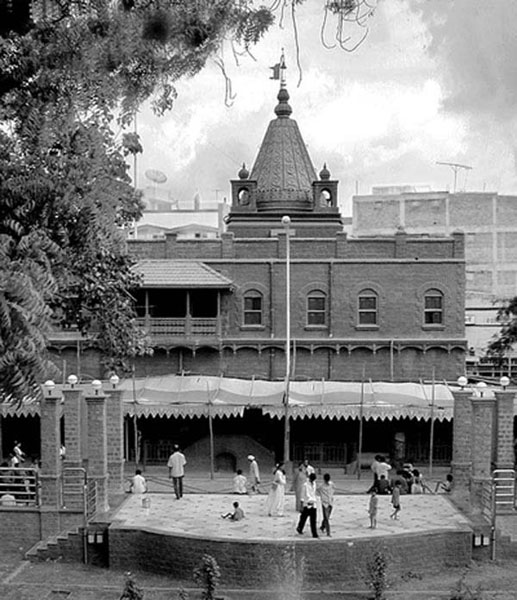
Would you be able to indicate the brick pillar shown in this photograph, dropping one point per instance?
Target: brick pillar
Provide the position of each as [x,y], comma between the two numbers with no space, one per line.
[115,442]
[483,413]
[462,445]
[341,244]
[400,243]
[98,447]
[72,411]
[50,413]
[1,438]
[504,426]
[483,422]
[227,245]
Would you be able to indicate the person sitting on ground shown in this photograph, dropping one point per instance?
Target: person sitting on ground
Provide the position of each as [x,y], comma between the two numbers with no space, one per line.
[239,483]
[383,486]
[236,515]
[138,483]
[444,486]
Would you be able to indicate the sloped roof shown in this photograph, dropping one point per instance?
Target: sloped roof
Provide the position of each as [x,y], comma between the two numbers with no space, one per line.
[167,273]
[283,165]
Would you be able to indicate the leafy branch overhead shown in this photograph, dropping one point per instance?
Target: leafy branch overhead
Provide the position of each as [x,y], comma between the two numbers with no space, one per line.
[66,68]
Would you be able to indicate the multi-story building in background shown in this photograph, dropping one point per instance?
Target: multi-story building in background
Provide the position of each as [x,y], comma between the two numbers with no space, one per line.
[489,222]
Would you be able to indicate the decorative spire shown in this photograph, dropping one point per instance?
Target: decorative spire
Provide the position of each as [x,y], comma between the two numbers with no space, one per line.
[282,110]
[244,173]
[324,173]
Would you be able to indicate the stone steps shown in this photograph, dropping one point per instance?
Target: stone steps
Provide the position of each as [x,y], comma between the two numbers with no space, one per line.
[65,547]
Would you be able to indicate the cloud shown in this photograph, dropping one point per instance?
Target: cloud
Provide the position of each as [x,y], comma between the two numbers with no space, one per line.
[432,81]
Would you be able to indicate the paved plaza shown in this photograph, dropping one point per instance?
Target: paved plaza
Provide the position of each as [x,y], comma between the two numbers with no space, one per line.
[199,515]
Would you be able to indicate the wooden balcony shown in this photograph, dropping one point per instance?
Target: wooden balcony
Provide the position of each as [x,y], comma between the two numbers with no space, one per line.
[176,328]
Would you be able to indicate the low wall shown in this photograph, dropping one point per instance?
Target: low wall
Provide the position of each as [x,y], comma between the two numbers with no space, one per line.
[271,564]
[22,527]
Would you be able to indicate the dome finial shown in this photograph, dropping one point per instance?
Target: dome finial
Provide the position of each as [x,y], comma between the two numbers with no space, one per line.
[324,173]
[282,109]
[244,173]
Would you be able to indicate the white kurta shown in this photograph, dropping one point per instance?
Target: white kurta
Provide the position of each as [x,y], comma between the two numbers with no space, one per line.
[276,497]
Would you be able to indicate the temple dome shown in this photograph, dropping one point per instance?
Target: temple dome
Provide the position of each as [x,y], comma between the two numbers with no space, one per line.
[283,169]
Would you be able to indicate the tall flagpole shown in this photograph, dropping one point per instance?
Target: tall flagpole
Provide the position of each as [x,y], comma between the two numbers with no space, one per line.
[431,431]
[361,412]
[286,222]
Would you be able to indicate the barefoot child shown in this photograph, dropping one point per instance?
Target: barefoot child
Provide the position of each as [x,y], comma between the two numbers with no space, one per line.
[372,509]
[395,500]
[236,515]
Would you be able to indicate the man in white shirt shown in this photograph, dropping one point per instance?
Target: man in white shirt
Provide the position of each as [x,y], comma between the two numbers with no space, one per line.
[176,466]
[309,511]
[138,483]
[254,474]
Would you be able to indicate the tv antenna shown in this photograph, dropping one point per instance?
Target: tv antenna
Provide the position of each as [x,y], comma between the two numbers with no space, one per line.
[156,177]
[455,167]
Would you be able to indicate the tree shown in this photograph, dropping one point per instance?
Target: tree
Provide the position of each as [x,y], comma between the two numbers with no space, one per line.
[131,591]
[503,342]
[207,575]
[66,67]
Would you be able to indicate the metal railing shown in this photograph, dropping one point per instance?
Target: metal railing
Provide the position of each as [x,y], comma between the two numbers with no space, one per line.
[504,490]
[19,487]
[177,327]
[321,454]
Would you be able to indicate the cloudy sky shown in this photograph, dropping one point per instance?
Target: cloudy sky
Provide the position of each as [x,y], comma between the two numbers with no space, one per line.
[435,80]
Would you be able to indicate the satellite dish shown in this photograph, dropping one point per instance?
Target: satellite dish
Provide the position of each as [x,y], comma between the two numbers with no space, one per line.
[156,176]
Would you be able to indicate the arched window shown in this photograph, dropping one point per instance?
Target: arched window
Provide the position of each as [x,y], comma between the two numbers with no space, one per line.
[367,308]
[433,307]
[243,197]
[325,198]
[252,308]
[316,308]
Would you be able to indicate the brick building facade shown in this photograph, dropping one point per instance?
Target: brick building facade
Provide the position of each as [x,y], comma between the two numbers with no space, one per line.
[375,308]
[489,221]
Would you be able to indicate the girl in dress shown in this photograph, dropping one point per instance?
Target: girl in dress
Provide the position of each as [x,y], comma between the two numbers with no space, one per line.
[276,497]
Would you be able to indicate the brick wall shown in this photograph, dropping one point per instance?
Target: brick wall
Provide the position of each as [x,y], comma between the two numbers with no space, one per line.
[263,564]
[22,527]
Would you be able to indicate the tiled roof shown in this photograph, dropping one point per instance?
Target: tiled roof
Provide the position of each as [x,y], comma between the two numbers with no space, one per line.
[180,274]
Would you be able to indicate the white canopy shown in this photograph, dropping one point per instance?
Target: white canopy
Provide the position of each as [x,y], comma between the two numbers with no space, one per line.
[192,396]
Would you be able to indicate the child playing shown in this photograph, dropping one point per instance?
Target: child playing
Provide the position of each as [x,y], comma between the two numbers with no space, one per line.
[395,500]
[236,515]
[372,509]
[239,483]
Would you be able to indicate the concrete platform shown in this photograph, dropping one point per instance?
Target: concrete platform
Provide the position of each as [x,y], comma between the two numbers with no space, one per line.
[198,515]
[171,536]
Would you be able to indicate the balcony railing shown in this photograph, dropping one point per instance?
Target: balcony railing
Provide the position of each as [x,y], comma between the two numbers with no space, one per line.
[179,327]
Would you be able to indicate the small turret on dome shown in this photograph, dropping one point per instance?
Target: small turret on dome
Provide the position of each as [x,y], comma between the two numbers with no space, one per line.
[244,173]
[324,173]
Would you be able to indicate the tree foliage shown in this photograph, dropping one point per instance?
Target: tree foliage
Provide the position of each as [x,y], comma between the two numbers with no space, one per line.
[503,342]
[66,67]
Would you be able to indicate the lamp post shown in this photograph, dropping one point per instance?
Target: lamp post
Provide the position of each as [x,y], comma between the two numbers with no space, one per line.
[49,386]
[97,386]
[72,381]
[114,380]
[286,222]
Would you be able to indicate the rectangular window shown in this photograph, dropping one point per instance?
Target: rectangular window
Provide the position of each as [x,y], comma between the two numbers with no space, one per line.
[253,310]
[316,311]
[433,311]
[367,310]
